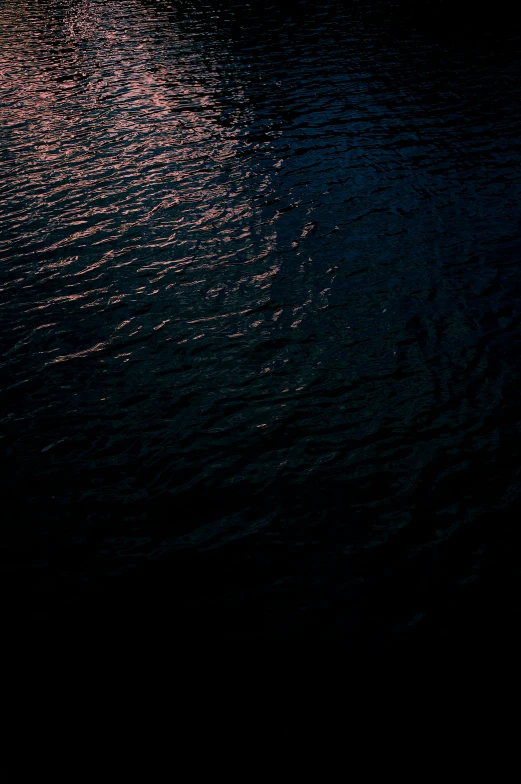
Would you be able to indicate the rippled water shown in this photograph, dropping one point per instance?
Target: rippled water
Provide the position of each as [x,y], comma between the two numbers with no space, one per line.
[260,315]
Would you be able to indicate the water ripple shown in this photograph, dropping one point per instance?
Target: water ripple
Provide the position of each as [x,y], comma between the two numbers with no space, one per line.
[259,278]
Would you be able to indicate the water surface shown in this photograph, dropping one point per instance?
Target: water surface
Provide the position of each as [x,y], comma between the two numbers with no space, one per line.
[260,315]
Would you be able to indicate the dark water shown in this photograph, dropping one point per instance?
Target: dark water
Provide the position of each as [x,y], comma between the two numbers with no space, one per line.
[260,318]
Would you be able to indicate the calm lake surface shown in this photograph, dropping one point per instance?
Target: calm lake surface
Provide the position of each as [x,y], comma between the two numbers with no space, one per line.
[260,313]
